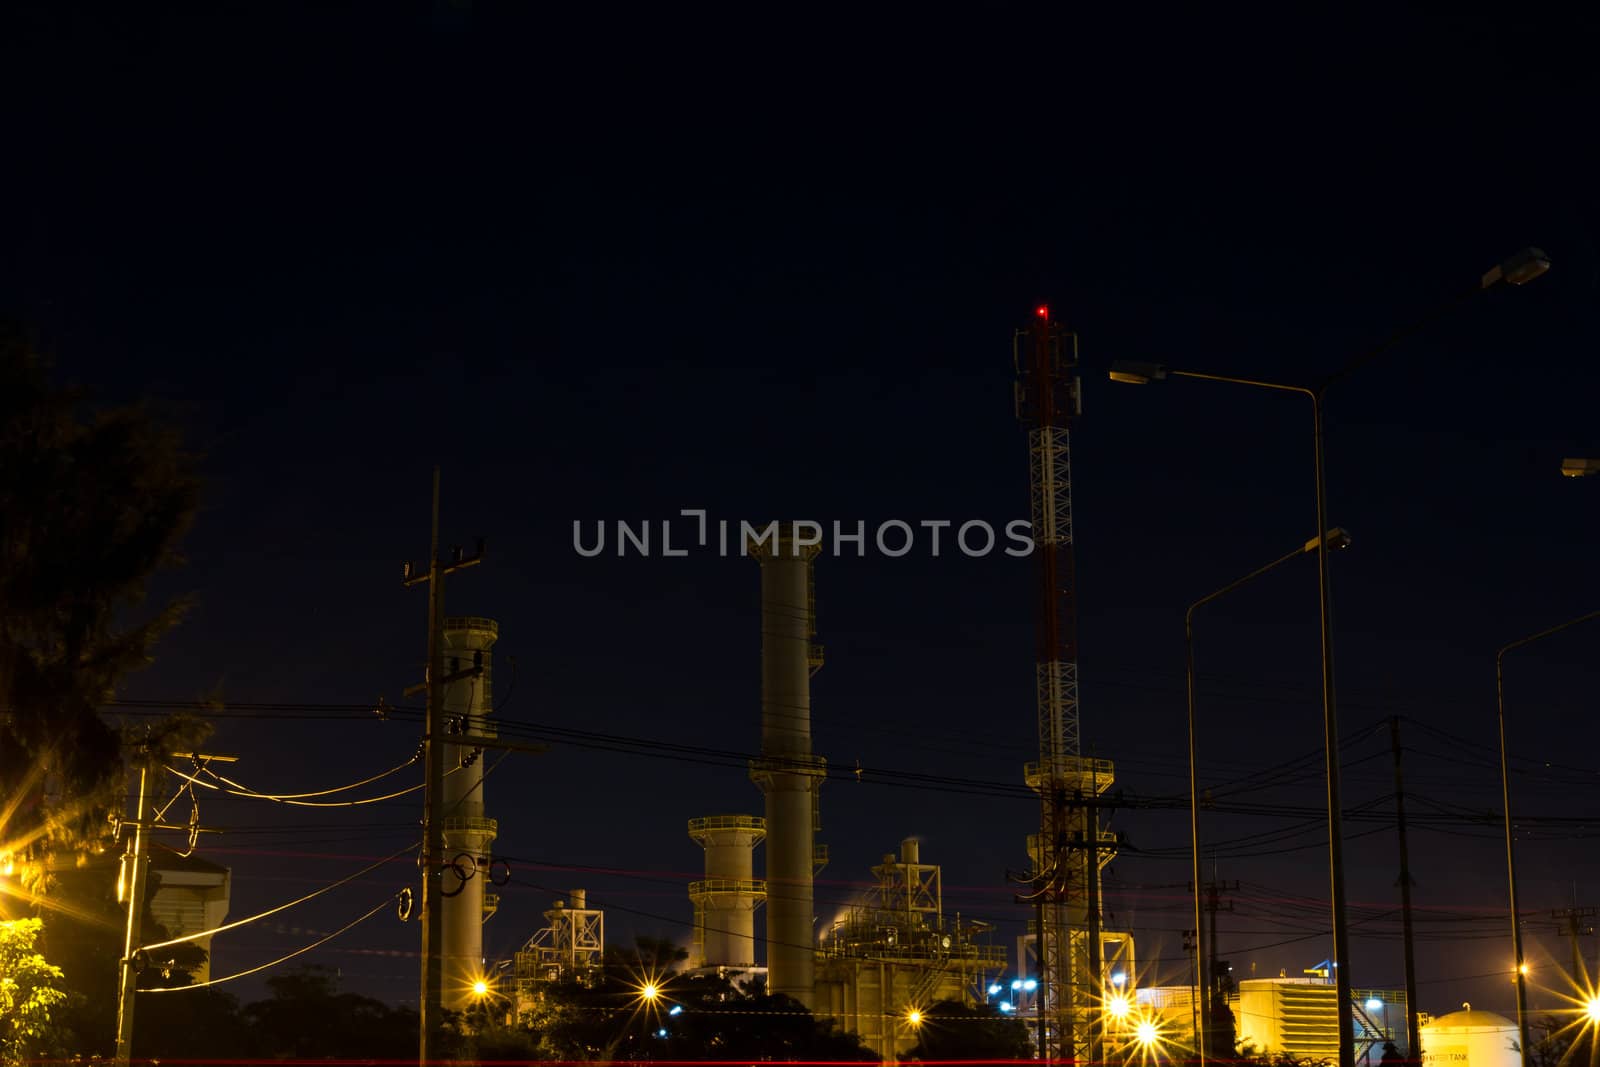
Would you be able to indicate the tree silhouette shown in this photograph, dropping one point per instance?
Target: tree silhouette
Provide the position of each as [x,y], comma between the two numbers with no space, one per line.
[92,503]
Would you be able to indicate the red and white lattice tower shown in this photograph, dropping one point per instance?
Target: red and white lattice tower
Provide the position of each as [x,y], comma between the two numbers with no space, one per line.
[1070,848]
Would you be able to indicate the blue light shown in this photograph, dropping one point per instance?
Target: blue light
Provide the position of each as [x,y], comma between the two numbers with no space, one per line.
[993,989]
[1118,979]
[661,1032]
[1005,1006]
[1374,1004]
[1016,983]
[1030,985]
[677,1009]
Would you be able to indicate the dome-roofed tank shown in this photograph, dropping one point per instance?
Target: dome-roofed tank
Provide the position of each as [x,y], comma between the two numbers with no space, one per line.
[1468,1038]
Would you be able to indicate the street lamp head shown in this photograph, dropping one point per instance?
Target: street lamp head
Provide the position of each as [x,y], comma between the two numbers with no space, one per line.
[1520,269]
[1132,372]
[1571,468]
[1337,537]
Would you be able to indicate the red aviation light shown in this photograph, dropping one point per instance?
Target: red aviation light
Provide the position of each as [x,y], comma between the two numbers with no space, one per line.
[1043,311]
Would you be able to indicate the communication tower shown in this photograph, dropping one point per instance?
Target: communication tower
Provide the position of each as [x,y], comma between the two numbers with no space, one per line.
[1070,849]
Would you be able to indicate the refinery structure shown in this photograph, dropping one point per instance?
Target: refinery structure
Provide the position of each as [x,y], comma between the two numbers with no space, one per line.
[873,964]
[893,950]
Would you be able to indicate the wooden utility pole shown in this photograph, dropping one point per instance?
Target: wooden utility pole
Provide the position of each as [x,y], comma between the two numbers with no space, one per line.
[1576,922]
[132,884]
[1413,1031]
[433,739]
[135,871]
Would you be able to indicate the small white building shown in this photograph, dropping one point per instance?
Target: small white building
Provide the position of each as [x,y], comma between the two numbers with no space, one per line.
[193,896]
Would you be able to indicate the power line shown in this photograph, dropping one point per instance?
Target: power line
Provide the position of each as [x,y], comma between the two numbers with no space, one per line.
[281,959]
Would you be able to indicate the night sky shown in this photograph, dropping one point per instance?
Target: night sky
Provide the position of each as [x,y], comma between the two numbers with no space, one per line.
[610,267]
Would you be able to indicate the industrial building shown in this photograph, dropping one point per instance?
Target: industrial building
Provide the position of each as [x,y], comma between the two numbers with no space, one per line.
[1294,1017]
[468,900]
[895,952]
[569,947]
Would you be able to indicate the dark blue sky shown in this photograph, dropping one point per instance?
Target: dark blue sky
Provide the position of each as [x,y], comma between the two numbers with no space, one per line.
[607,268]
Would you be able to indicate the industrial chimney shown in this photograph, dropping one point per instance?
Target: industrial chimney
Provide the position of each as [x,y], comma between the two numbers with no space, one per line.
[787,772]
[468,835]
[725,901]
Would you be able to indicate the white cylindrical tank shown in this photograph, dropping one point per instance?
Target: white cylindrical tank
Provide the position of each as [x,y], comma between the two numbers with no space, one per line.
[1468,1038]
[468,834]
[787,772]
[726,900]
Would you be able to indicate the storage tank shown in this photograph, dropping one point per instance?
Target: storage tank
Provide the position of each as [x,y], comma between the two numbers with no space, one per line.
[1468,1038]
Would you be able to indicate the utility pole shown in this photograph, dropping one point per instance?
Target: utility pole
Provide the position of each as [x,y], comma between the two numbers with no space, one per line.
[1576,924]
[133,884]
[433,739]
[1191,948]
[1214,891]
[1413,1031]
[1089,842]
[135,869]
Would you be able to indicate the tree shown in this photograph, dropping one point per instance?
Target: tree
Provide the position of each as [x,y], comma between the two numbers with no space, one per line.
[92,503]
[85,939]
[950,1030]
[692,1017]
[307,1016]
[28,992]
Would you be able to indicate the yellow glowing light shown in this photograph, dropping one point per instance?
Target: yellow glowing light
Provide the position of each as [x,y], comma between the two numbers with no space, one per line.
[480,988]
[650,992]
[1592,1009]
[1118,1007]
[1146,1033]
[914,1017]
[1522,968]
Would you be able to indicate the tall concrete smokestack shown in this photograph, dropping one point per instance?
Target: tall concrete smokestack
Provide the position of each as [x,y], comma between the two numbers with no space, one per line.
[468,835]
[787,772]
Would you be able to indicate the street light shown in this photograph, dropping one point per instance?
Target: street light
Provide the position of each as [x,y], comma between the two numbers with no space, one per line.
[1505,804]
[1335,538]
[1521,268]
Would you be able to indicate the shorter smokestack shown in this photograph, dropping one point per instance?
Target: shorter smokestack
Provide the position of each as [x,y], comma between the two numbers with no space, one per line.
[910,852]
[579,897]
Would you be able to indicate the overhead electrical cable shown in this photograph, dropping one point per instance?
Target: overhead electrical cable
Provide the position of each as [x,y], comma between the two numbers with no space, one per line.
[281,907]
[319,793]
[281,959]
